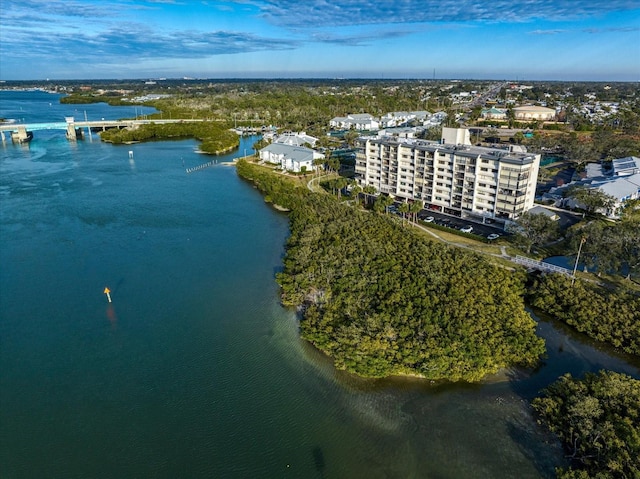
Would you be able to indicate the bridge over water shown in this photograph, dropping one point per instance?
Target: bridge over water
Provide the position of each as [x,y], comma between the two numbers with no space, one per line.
[541,265]
[22,132]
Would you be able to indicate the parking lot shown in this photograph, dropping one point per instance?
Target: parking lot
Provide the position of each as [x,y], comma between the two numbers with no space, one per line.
[456,223]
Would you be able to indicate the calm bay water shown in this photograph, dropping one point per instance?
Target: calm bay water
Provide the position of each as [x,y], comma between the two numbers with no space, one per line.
[195,370]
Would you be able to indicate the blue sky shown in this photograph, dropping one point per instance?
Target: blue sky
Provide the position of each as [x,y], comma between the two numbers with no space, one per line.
[482,39]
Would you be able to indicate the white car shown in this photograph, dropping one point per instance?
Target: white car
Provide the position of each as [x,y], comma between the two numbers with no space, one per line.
[429,219]
[466,229]
[493,236]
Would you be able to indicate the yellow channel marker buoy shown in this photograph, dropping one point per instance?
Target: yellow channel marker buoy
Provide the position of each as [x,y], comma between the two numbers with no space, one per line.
[107,291]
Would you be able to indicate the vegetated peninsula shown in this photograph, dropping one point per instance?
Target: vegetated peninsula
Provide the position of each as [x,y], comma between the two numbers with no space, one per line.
[597,419]
[216,138]
[382,300]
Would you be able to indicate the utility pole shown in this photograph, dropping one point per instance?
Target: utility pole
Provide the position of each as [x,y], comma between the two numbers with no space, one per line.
[575,266]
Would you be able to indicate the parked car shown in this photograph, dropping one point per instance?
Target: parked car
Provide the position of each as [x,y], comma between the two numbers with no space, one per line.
[429,219]
[493,236]
[466,229]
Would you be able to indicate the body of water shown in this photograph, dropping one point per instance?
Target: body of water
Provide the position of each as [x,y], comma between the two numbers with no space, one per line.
[194,369]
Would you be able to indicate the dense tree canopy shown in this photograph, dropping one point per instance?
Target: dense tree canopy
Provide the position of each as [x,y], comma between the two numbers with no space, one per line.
[592,199]
[610,247]
[598,421]
[534,229]
[607,316]
[381,300]
[215,136]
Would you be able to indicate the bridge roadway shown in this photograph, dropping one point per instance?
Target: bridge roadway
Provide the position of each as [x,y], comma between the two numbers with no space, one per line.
[19,130]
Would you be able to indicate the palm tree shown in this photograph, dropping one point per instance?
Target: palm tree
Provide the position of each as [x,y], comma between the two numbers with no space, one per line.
[404,208]
[317,163]
[415,208]
[368,191]
[340,183]
[355,192]
[382,203]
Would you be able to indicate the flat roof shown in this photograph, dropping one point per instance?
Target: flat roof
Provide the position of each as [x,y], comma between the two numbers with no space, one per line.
[468,151]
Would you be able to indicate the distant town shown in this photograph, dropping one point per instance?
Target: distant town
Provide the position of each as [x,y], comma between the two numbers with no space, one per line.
[489,169]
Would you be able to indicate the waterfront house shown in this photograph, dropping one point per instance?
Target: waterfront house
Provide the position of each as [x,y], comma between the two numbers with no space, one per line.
[290,157]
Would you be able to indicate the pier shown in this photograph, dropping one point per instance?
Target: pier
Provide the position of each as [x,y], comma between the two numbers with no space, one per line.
[23,132]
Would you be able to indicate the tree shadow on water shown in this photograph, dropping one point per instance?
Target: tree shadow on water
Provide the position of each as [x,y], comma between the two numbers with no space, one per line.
[541,448]
[318,460]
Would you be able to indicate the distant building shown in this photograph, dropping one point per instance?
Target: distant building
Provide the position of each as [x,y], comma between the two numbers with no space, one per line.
[295,139]
[450,176]
[494,113]
[290,157]
[361,121]
[399,118]
[401,132]
[529,113]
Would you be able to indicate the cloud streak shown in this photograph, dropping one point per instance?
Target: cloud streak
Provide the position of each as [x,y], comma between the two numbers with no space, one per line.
[129,42]
[346,12]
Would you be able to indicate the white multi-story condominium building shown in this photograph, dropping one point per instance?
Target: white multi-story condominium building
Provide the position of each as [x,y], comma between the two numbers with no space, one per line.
[453,177]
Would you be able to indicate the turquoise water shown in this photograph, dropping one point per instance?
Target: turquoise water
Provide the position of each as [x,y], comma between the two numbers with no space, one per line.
[194,369]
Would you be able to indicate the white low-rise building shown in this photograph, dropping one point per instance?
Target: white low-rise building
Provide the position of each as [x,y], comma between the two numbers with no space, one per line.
[494,113]
[399,118]
[295,138]
[531,112]
[291,158]
[360,121]
[621,182]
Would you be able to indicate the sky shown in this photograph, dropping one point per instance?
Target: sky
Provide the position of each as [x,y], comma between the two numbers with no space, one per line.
[591,40]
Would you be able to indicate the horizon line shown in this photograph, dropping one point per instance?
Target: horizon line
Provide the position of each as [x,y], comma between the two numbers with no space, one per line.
[311,78]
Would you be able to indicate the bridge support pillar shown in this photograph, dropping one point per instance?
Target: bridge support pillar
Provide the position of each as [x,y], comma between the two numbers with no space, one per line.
[20,136]
[2,135]
[71,132]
